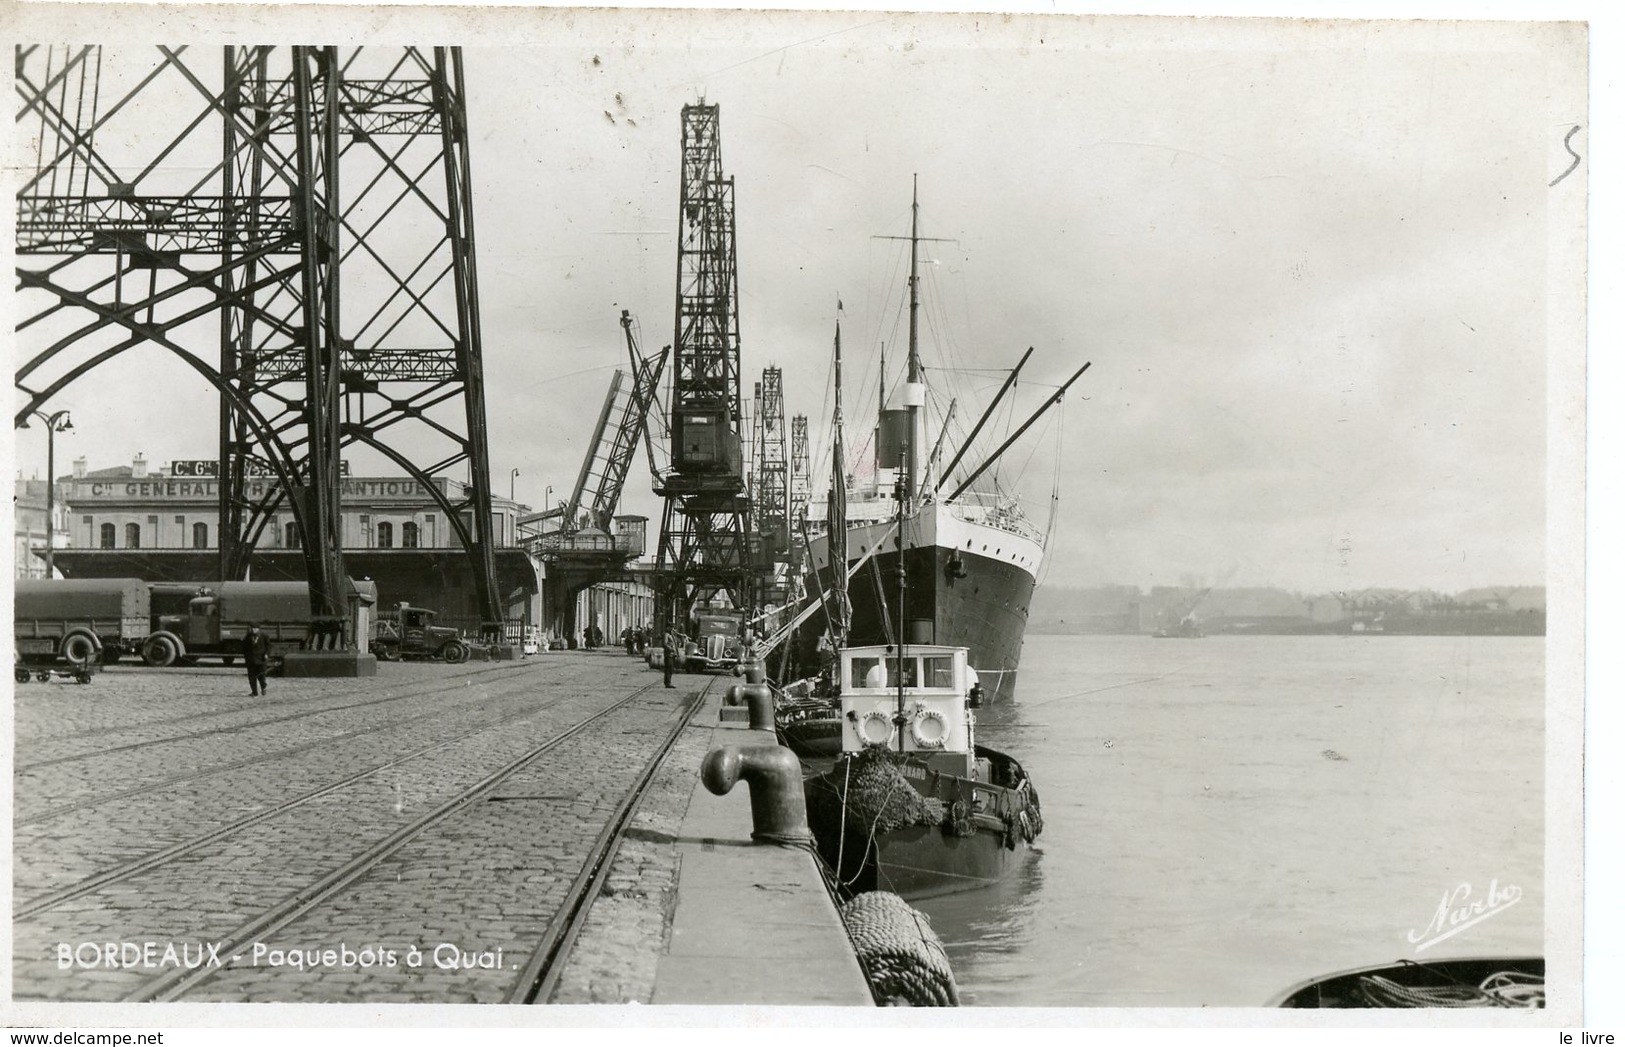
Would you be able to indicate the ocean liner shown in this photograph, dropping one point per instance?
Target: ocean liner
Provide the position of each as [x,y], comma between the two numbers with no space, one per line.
[970,556]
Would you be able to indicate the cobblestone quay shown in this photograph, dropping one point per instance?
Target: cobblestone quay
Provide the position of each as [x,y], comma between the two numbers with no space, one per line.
[168,826]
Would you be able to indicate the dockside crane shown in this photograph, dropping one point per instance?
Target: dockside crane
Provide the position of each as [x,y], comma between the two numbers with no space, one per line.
[800,486]
[705,525]
[770,491]
[623,422]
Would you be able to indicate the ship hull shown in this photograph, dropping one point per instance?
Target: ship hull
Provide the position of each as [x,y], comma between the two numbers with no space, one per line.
[969,585]
[924,862]
[988,823]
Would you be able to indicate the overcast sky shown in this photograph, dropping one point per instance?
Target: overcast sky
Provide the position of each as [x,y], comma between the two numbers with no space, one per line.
[1309,264]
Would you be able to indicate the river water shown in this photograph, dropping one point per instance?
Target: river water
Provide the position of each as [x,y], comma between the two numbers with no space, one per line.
[1228,816]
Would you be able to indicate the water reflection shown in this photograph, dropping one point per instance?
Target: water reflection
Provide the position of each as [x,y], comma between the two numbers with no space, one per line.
[988,930]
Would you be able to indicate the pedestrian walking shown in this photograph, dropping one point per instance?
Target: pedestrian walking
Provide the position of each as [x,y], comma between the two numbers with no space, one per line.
[626,639]
[668,652]
[256,653]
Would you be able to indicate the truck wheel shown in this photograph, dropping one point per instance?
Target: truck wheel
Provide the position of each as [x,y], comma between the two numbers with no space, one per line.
[79,648]
[160,651]
[454,653]
[387,654]
[20,674]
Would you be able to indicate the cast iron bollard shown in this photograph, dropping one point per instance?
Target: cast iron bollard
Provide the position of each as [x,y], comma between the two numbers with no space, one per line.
[755,671]
[778,808]
[759,697]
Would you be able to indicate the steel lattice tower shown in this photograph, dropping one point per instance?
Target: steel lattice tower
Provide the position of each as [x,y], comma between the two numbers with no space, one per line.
[800,481]
[770,504]
[295,224]
[706,523]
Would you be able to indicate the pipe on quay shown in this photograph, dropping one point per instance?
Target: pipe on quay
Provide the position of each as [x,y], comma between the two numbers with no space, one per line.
[778,807]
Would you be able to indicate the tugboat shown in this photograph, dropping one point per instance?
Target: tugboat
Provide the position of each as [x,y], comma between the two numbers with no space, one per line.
[1187,626]
[912,804]
[899,795]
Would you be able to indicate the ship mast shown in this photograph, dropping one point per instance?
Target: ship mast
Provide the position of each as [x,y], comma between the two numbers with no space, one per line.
[905,483]
[840,619]
[912,451]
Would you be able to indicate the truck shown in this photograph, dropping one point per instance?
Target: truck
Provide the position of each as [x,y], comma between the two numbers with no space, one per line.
[409,632]
[78,621]
[192,621]
[718,641]
[83,620]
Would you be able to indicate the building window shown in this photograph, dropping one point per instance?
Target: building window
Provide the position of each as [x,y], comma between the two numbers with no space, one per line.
[200,535]
[290,534]
[428,530]
[181,520]
[132,536]
[409,535]
[386,535]
[108,535]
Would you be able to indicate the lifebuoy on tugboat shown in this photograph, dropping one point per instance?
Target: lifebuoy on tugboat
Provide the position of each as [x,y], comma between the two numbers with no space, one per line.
[929,729]
[875,728]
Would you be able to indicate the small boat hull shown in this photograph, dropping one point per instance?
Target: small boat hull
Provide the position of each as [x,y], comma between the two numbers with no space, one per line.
[813,738]
[1470,982]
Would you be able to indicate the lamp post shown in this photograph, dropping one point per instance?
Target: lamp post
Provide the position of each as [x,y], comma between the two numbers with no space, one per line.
[59,422]
[547,502]
[512,475]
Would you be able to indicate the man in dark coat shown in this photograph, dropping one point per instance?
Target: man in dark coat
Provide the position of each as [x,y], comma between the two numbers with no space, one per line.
[256,654]
[668,653]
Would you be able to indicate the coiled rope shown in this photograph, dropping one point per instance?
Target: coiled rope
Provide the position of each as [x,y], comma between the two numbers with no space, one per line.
[1502,989]
[901,954]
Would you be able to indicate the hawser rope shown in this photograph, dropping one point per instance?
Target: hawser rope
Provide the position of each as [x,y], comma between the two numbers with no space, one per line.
[901,954]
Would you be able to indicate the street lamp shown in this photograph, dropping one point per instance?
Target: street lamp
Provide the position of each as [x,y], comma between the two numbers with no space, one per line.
[58,422]
[547,502]
[512,474]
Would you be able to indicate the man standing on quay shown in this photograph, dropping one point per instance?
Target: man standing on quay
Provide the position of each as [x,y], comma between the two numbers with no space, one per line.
[668,653]
[256,653]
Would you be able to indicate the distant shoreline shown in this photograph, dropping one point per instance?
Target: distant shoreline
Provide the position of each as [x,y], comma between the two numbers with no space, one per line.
[1511,625]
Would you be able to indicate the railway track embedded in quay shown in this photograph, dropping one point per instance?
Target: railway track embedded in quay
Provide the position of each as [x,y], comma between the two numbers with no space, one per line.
[163,797]
[306,707]
[506,864]
[257,757]
[152,860]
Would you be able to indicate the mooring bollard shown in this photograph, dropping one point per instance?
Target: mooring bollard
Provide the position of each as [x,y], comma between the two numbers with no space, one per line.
[755,671]
[778,808]
[758,697]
